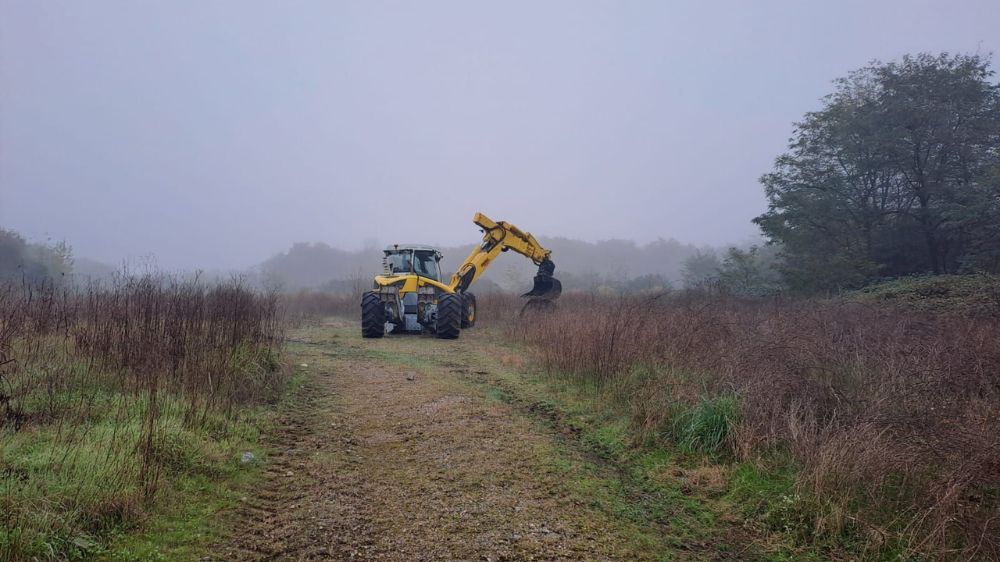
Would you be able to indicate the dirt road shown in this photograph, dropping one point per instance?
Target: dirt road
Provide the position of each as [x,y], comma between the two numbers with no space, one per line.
[397,450]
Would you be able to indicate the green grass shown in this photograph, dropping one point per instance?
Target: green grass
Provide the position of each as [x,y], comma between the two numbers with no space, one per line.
[70,486]
[68,490]
[765,493]
[704,427]
[186,518]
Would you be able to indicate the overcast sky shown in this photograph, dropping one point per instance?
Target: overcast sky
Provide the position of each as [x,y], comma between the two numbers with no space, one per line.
[214,134]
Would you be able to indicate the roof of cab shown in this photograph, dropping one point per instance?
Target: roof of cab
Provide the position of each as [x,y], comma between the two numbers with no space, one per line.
[397,247]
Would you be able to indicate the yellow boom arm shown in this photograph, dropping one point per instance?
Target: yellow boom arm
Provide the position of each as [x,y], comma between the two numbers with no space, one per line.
[500,237]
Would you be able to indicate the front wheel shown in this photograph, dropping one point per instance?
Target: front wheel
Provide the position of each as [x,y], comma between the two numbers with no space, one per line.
[372,316]
[470,310]
[449,316]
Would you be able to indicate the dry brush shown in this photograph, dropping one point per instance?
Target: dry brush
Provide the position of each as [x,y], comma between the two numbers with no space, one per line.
[106,391]
[889,418]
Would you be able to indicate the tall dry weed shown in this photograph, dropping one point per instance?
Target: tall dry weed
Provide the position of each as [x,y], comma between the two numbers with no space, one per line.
[891,416]
[100,381]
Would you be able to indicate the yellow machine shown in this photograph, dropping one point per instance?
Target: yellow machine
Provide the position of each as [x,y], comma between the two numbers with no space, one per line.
[410,296]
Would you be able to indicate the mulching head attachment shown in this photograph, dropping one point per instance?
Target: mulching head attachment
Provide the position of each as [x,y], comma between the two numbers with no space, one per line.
[546,286]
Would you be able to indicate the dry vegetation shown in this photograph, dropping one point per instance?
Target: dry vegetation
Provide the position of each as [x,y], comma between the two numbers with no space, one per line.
[867,430]
[852,428]
[310,305]
[109,394]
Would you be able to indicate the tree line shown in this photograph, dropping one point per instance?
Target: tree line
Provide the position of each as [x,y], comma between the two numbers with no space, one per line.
[618,265]
[897,174]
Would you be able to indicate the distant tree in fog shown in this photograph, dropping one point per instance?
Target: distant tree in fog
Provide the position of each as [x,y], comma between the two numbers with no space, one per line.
[614,264]
[647,283]
[753,272]
[307,265]
[91,270]
[701,270]
[20,259]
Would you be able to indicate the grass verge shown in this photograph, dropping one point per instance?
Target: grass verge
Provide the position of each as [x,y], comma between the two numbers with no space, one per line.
[186,518]
[69,491]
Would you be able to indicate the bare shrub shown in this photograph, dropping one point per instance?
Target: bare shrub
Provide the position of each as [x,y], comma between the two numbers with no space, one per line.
[107,384]
[891,416]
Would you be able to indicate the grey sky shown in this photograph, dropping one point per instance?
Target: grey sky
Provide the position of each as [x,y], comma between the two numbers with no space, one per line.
[213,134]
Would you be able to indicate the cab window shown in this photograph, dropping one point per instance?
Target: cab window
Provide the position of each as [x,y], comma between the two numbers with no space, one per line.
[400,262]
[426,266]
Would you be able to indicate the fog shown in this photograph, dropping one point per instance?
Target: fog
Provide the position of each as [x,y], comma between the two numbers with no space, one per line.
[217,134]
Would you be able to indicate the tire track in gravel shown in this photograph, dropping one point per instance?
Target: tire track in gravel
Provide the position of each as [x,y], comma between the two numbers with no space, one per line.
[388,457]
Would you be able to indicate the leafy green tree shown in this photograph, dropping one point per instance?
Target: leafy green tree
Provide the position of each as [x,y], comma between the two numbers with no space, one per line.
[894,175]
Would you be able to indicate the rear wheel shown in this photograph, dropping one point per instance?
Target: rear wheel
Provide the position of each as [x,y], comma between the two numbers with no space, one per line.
[469,311]
[372,315]
[449,316]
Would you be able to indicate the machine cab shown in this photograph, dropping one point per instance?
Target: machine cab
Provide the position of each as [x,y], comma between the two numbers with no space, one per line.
[404,259]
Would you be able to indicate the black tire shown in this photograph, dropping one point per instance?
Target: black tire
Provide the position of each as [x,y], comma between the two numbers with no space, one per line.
[449,316]
[469,311]
[372,316]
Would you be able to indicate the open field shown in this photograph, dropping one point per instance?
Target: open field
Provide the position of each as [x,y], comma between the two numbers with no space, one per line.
[779,429]
[617,428]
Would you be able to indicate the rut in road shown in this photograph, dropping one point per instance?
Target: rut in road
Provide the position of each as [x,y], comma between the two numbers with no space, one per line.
[387,461]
